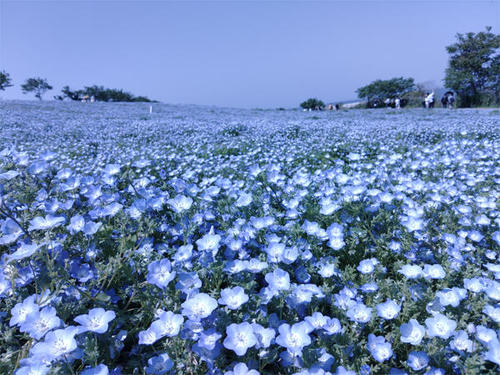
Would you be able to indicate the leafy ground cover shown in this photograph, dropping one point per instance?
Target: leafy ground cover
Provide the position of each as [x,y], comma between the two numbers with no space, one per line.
[200,240]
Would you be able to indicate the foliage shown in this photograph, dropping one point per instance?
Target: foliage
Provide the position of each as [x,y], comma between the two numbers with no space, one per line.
[474,68]
[383,89]
[101,94]
[37,85]
[221,242]
[5,80]
[312,103]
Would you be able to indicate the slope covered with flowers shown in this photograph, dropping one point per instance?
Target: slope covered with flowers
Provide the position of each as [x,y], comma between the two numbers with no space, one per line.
[200,240]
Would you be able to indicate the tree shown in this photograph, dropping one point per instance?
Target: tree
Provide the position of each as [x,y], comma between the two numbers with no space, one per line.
[312,103]
[474,68]
[5,80]
[37,85]
[389,88]
[100,94]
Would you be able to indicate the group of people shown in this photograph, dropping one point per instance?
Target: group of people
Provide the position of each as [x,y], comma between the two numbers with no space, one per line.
[447,100]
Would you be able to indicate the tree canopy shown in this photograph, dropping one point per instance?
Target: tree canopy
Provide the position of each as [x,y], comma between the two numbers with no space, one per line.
[37,85]
[5,80]
[474,68]
[389,88]
[312,103]
[102,94]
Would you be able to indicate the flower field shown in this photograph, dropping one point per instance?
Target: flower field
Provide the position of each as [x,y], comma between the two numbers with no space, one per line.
[200,240]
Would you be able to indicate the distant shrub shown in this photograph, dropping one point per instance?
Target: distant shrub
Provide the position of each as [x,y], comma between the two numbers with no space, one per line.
[312,103]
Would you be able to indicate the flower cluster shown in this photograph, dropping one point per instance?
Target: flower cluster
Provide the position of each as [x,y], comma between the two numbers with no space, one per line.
[204,241]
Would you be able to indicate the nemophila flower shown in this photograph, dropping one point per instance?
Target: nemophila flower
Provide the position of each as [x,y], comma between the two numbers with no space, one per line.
[76,224]
[23,251]
[278,280]
[208,339]
[359,313]
[180,203]
[47,222]
[98,370]
[417,360]
[33,369]
[38,323]
[275,251]
[388,310]
[11,232]
[462,343]
[370,287]
[341,370]
[149,336]
[82,272]
[184,253]
[241,369]
[233,298]
[209,242]
[493,353]
[240,337]
[412,332]
[21,310]
[317,320]
[332,326]
[57,343]
[294,338]
[160,273]
[159,365]
[199,306]
[485,335]
[492,312]
[440,326]
[264,335]
[96,320]
[451,297]
[411,271]
[434,271]
[380,349]
[475,285]
[243,200]
[367,266]
[169,324]
[493,291]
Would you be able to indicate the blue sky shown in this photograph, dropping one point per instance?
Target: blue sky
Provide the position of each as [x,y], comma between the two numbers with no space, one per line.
[232,53]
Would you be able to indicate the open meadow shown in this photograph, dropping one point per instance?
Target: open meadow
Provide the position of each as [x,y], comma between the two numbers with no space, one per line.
[204,240]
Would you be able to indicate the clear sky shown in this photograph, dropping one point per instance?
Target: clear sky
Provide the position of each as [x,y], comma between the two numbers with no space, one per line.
[232,53]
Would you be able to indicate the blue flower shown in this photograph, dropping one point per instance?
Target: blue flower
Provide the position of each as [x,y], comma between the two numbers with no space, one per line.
[241,369]
[208,339]
[209,242]
[367,266]
[180,203]
[380,349]
[417,360]
[388,310]
[38,323]
[411,271]
[233,298]
[48,222]
[412,332]
[98,370]
[278,280]
[160,273]
[169,324]
[240,337]
[96,320]
[56,343]
[33,369]
[21,310]
[294,338]
[359,313]
[440,326]
[159,365]
[493,353]
[198,307]
[264,335]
